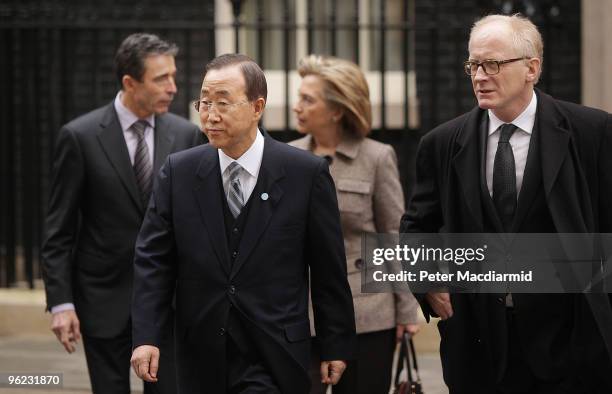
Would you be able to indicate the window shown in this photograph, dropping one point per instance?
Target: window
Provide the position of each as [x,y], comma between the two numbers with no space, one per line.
[351,29]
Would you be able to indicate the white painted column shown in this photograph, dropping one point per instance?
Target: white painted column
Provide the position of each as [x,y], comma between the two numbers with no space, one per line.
[596,54]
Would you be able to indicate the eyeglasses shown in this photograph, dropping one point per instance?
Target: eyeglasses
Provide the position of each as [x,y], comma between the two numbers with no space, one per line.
[221,106]
[489,66]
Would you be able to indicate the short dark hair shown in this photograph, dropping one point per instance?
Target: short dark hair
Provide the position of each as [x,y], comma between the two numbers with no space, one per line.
[131,55]
[254,77]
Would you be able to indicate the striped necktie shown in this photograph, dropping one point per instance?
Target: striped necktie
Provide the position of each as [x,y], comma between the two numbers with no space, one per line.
[235,198]
[142,163]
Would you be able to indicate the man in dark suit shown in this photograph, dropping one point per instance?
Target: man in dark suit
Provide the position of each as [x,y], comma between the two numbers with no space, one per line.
[232,230]
[520,162]
[102,177]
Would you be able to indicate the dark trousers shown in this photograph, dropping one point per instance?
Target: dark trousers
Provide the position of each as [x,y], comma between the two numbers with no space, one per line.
[518,378]
[108,362]
[369,373]
[245,372]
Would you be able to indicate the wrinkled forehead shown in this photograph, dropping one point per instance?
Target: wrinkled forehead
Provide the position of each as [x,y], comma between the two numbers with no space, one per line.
[226,82]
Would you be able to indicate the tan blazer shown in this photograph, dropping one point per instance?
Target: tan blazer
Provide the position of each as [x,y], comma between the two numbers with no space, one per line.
[370,199]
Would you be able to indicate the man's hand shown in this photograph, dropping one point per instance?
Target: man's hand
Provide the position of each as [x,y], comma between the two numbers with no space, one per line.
[411,329]
[441,304]
[145,361]
[331,371]
[66,326]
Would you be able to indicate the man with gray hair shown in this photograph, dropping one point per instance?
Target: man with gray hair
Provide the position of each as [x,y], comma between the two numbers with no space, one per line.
[520,162]
[102,178]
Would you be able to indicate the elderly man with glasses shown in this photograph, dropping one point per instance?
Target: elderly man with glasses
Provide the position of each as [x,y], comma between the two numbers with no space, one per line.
[520,162]
[237,230]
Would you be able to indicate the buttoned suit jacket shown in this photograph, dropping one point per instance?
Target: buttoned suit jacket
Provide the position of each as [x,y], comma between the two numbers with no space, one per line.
[574,183]
[371,200]
[292,225]
[95,212]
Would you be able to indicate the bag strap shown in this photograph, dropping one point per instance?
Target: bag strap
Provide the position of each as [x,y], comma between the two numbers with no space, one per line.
[399,364]
[414,360]
[404,358]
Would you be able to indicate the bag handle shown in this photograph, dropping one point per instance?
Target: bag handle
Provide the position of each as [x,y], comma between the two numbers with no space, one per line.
[414,359]
[404,357]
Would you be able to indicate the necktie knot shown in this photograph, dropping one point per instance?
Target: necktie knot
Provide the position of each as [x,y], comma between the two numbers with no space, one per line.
[507,129]
[234,170]
[139,127]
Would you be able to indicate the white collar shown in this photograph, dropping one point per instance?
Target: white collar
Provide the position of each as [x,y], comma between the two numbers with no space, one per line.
[524,121]
[250,160]
[126,116]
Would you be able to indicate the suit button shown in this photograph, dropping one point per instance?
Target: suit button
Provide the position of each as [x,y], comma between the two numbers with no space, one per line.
[358,263]
[235,230]
[500,300]
[232,290]
[234,254]
[222,331]
[508,257]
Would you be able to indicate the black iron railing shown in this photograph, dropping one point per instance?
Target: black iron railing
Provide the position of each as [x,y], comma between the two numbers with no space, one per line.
[56,63]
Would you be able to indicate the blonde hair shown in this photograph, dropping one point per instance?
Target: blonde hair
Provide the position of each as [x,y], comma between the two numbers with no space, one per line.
[526,39]
[345,87]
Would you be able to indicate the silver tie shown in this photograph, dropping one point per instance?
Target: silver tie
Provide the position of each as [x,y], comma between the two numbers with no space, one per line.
[235,198]
[142,164]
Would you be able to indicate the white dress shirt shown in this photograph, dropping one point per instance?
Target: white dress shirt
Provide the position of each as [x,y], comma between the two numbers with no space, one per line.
[250,161]
[126,120]
[519,141]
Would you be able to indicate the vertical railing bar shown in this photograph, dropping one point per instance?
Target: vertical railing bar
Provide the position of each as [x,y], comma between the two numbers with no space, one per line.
[457,37]
[434,26]
[383,103]
[309,27]
[333,30]
[188,88]
[405,61]
[286,59]
[27,147]
[356,31]
[14,164]
[236,11]
[260,33]
[95,72]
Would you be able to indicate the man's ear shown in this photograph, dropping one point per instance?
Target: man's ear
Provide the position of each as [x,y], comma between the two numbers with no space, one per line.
[534,64]
[128,83]
[259,105]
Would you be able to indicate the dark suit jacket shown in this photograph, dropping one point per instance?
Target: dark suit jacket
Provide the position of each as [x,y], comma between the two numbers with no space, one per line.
[574,179]
[95,213]
[182,245]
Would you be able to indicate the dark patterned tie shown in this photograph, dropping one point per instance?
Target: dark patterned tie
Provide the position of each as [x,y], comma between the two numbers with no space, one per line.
[235,198]
[504,177]
[142,164]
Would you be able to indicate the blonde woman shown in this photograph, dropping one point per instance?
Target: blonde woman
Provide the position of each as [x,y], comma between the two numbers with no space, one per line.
[334,111]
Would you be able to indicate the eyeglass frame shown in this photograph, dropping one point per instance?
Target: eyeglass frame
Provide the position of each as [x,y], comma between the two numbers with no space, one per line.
[226,107]
[499,63]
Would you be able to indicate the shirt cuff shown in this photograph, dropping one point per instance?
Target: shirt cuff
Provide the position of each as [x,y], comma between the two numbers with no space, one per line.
[68,306]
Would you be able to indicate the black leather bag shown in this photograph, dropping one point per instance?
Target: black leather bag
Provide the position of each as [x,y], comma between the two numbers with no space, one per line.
[412,385]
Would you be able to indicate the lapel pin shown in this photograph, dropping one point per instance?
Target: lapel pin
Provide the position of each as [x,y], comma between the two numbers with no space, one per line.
[264,196]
